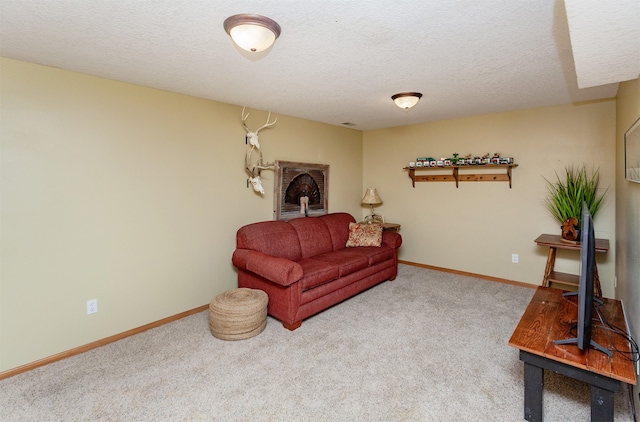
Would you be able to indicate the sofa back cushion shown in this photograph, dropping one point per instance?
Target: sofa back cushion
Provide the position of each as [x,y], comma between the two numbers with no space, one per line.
[338,225]
[313,234]
[276,238]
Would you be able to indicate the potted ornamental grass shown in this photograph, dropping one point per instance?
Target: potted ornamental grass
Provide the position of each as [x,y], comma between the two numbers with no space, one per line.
[566,195]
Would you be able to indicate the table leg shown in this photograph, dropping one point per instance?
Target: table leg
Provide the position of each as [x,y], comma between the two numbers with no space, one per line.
[533,385]
[601,404]
[596,285]
[551,262]
[602,387]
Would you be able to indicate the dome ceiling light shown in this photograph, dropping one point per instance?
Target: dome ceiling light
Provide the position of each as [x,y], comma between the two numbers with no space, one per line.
[406,100]
[253,33]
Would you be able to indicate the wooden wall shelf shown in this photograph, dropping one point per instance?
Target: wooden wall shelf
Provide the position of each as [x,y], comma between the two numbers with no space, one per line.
[461,174]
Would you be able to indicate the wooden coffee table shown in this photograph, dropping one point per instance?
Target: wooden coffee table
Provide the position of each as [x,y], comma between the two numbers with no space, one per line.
[549,317]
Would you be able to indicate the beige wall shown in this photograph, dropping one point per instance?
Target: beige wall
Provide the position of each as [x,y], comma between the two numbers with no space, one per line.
[628,212]
[477,227]
[131,196]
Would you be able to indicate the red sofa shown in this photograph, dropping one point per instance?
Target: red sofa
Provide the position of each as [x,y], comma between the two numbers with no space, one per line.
[305,267]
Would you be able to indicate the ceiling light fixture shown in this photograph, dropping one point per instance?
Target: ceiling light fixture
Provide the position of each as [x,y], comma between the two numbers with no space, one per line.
[406,99]
[252,33]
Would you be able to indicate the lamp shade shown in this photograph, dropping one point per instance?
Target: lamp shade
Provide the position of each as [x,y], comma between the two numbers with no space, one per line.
[252,33]
[371,197]
[406,99]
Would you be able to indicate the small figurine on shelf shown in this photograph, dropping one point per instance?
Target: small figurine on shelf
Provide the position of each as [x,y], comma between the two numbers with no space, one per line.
[468,160]
[486,159]
[456,160]
[496,158]
[569,229]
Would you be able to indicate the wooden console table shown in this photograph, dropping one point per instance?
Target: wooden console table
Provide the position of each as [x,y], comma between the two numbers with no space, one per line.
[549,317]
[554,241]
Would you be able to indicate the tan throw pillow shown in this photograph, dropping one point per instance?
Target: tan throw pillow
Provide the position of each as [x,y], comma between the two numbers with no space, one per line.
[364,235]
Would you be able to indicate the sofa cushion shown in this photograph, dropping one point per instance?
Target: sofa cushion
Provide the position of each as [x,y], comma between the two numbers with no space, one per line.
[313,234]
[364,235]
[316,272]
[346,261]
[374,254]
[338,225]
[275,238]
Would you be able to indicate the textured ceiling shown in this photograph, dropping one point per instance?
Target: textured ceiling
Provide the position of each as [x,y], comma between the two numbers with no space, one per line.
[340,61]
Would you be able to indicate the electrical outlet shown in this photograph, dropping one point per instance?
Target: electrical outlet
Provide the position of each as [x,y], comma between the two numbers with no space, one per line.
[92,306]
[514,258]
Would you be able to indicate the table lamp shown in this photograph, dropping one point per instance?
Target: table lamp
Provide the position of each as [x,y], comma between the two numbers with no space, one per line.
[372,198]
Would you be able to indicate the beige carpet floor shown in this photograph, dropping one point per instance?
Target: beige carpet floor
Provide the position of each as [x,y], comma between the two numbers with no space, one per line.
[429,346]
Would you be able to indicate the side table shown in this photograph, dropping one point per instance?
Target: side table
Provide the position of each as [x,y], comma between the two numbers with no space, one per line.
[390,227]
[554,241]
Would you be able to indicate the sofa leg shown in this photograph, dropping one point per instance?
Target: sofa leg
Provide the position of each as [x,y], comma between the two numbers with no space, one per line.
[393,278]
[293,326]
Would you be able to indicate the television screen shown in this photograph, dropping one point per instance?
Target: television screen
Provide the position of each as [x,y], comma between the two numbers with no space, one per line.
[585,287]
[587,275]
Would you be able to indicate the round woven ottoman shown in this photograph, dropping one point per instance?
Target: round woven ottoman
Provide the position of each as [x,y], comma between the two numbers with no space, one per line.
[238,314]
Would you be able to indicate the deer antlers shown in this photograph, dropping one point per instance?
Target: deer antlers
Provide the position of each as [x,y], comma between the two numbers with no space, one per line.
[253,136]
[254,171]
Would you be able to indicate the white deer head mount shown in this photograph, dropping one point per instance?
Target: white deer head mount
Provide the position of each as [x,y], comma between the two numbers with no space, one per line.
[254,171]
[252,137]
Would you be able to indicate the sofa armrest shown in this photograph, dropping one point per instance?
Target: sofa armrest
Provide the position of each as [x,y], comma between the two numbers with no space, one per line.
[392,239]
[278,270]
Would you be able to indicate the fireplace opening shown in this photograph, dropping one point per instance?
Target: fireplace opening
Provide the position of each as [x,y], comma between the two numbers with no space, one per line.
[302,185]
[301,190]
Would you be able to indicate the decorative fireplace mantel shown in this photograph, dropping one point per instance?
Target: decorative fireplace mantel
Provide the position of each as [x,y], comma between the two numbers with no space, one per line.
[300,180]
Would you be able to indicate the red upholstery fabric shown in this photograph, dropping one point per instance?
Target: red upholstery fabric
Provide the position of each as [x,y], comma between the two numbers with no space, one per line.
[279,270]
[374,254]
[313,235]
[305,267]
[284,301]
[317,272]
[391,239]
[347,262]
[275,238]
[336,222]
[339,289]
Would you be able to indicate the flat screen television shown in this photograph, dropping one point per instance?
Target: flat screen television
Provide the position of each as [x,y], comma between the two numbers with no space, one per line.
[585,287]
